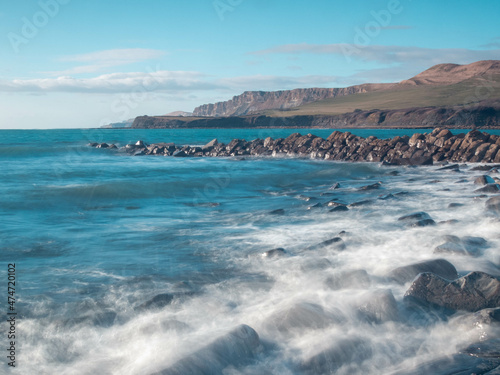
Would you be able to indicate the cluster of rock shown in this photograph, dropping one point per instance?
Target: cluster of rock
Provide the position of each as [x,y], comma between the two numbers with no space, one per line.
[420,149]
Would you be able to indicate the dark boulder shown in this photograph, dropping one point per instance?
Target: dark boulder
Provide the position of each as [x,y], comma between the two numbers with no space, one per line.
[473,292]
[490,188]
[179,154]
[339,354]
[339,209]
[274,253]
[415,217]
[452,167]
[234,349]
[493,204]
[279,211]
[379,307]
[372,186]
[440,267]
[484,180]
[352,279]
[335,243]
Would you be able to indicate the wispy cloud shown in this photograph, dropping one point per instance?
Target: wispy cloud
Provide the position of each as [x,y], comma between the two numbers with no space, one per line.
[98,61]
[386,54]
[169,82]
[163,81]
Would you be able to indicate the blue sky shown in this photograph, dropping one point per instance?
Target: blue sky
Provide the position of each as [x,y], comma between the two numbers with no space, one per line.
[78,64]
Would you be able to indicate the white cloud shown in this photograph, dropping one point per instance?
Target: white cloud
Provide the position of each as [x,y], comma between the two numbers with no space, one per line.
[101,60]
[387,54]
[166,81]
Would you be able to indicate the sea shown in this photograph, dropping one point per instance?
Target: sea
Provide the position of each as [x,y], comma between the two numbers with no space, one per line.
[152,264]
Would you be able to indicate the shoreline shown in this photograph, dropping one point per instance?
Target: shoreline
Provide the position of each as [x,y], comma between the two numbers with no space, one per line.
[440,145]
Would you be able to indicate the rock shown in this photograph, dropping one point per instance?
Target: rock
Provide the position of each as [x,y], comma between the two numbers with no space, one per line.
[361,203]
[179,154]
[353,279]
[473,292]
[340,353]
[453,167]
[484,349]
[274,253]
[423,223]
[102,145]
[335,204]
[493,204]
[413,161]
[440,267]
[140,144]
[379,307]
[339,209]
[371,187]
[161,300]
[210,145]
[317,205]
[489,188]
[415,216]
[484,180]
[335,243]
[303,316]
[234,349]
[279,211]
[451,248]
[455,205]
[458,364]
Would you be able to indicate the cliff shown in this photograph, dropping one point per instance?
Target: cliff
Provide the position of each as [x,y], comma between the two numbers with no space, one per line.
[257,101]
[485,114]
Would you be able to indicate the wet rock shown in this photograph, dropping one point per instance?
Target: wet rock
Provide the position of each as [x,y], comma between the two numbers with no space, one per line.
[455,205]
[339,209]
[440,267]
[304,316]
[179,154]
[140,144]
[161,300]
[484,180]
[473,292]
[481,318]
[415,216]
[274,253]
[340,353]
[451,248]
[484,349]
[361,203]
[234,349]
[413,161]
[458,364]
[352,279]
[335,204]
[335,243]
[379,307]
[423,223]
[279,211]
[489,188]
[317,205]
[452,167]
[493,204]
[371,187]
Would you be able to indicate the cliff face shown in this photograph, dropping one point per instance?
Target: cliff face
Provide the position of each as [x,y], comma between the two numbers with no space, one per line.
[256,101]
[485,114]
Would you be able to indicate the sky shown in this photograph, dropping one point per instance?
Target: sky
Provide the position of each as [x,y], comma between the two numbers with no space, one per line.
[82,64]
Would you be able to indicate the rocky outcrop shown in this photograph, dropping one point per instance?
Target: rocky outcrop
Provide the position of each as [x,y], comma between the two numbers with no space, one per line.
[484,114]
[421,149]
[256,101]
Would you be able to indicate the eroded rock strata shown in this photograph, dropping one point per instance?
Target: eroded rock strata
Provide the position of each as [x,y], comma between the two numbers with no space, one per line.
[420,149]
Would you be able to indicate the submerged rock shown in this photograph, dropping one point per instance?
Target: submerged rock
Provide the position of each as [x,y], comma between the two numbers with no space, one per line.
[339,354]
[473,292]
[234,349]
[440,267]
[355,279]
[161,300]
[279,211]
[493,204]
[274,253]
[302,316]
[335,243]
[379,307]
[489,188]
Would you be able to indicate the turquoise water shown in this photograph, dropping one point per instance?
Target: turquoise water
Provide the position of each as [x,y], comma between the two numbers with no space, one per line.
[94,234]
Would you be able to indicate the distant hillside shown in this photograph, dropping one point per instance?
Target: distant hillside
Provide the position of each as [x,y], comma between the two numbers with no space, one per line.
[116,125]
[251,102]
[441,85]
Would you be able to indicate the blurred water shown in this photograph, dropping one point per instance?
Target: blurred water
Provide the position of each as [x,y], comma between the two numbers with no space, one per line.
[96,234]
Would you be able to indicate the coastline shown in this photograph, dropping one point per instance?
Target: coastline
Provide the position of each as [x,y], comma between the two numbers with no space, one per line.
[440,145]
